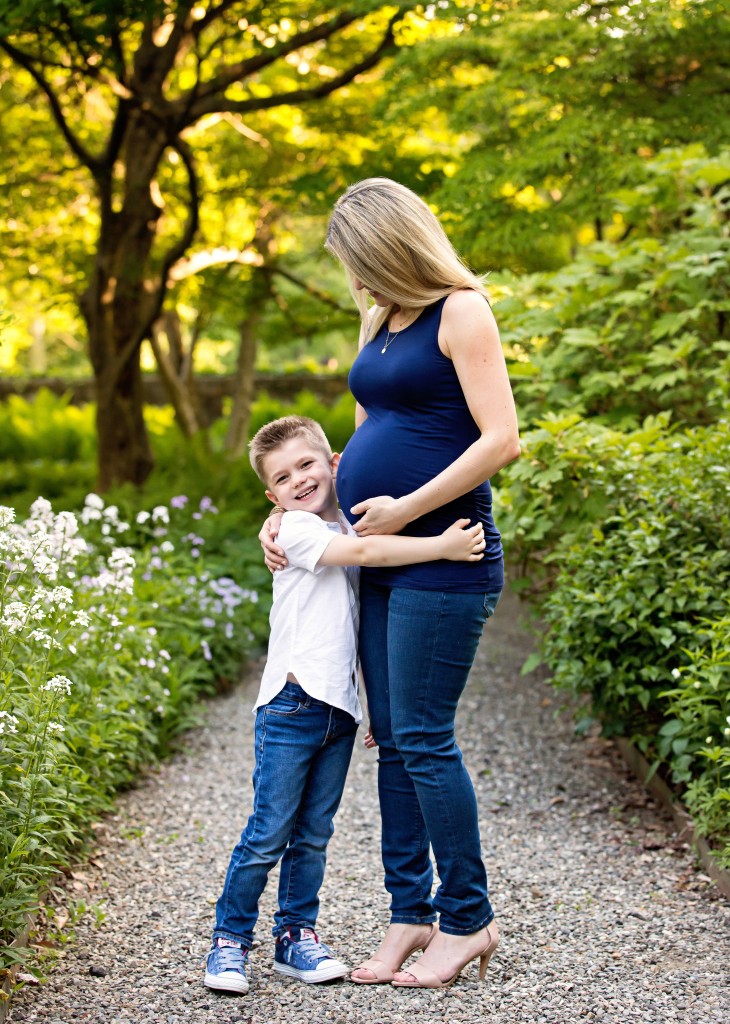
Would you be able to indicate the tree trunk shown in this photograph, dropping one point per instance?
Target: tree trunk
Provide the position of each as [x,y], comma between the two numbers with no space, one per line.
[243,393]
[119,306]
[179,386]
[124,449]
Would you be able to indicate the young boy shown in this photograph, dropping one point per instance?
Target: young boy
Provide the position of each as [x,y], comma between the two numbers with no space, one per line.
[307,711]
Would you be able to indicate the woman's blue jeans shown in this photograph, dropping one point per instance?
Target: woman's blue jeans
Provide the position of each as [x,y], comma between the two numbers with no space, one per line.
[416,648]
[303,750]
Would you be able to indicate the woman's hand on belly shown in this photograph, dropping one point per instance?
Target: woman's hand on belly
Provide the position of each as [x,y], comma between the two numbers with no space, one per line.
[380,515]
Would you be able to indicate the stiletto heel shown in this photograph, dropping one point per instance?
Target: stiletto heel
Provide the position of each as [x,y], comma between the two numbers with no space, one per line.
[486,956]
[424,977]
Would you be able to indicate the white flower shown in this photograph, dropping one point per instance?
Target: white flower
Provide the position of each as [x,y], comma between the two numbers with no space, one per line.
[675,673]
[93,501]
[167,546]
[121,558]
[8,722]
[62,597]
[7,516]
[111,512]
[66,524]
[81,618]
[160,514]
[41,509]
[56,727]
[39,636]
[59,684]
[88,515]
[14,616]
[142,517]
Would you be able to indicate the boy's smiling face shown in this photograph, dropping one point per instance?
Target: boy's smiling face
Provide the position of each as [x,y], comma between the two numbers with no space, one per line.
[301,477]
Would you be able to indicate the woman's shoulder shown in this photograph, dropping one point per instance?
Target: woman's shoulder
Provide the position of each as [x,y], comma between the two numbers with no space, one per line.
[466,301]
[467,322]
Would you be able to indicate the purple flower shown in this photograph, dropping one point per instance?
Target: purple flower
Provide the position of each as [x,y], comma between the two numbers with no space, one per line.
[179,501]
[206,650]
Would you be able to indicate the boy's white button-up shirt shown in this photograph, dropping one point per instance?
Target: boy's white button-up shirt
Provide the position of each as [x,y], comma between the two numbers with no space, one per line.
[314,617]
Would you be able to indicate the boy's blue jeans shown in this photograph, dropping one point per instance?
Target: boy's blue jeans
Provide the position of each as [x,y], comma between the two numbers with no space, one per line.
[303,750]
[416,648]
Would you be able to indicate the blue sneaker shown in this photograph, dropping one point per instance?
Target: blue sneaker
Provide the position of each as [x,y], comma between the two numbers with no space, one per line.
[300,954]
[226,967]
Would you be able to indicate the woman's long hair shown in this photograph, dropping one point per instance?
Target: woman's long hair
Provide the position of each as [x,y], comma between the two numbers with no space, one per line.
[387,238]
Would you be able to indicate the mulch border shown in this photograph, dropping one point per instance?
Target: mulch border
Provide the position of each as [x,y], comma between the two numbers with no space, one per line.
[638,764]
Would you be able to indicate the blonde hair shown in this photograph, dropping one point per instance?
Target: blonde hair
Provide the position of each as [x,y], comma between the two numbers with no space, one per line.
[275,434]
[387,238]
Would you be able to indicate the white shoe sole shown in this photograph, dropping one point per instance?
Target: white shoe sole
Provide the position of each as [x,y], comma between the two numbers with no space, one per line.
[228,981]
[334,970]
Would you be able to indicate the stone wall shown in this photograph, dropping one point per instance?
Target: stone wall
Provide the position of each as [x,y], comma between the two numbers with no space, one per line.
[213,389]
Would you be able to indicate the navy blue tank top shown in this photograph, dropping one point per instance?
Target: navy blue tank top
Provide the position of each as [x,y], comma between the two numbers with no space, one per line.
[417,424]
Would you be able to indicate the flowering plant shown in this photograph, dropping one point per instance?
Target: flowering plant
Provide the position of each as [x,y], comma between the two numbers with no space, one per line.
[109,630]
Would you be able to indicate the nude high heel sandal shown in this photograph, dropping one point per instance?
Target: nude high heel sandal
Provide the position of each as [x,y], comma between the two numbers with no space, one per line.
[418,976]
[383,974]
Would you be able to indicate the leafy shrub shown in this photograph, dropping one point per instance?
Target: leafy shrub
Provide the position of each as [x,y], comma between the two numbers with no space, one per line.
[640,598]
[635,327]
[570,474]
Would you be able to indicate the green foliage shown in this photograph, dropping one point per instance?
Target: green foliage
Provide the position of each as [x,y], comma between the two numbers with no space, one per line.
[638,327]
[557,107]
[640,595]
[47,447]
[104,651]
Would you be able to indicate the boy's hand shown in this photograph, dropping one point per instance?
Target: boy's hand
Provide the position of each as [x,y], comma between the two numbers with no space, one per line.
[274,556]
[462,544]
[368,739]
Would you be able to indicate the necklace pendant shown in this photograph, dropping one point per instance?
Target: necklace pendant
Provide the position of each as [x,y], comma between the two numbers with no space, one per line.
[382,351]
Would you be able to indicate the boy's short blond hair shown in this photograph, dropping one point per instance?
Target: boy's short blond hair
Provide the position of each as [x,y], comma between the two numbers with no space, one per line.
[273,435]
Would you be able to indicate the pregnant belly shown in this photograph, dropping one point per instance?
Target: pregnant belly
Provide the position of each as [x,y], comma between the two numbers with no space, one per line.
[380,460]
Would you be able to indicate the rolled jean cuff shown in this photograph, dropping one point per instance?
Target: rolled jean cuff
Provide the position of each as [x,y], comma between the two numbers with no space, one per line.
[448,929]
[217,934]
[413,918]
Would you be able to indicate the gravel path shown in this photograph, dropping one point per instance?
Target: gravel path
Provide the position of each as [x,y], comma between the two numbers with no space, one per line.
[603,914]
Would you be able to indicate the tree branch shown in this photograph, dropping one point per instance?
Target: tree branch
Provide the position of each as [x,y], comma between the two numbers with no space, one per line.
[206,258]
[218,103]
[309,288]
[245,68]
[80,151]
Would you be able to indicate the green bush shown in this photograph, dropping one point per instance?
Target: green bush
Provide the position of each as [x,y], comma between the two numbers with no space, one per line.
[638,598]
[635,327]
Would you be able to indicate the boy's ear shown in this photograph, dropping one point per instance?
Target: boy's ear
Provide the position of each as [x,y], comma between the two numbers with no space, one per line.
[334,463]
[272,497]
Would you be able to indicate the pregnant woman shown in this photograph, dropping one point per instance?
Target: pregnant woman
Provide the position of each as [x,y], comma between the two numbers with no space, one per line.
[435,419]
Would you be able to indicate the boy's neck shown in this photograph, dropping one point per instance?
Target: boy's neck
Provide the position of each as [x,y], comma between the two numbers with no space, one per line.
[330,515]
